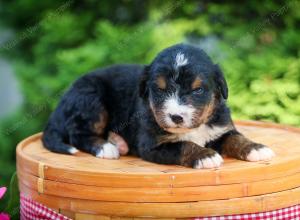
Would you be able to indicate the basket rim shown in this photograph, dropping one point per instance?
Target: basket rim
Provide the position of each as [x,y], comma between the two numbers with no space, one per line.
[188,177]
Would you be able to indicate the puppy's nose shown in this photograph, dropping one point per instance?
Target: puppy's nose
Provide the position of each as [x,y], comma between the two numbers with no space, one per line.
[177,119]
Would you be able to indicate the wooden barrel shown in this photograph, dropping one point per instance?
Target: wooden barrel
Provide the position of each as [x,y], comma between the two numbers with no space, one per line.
[83,186]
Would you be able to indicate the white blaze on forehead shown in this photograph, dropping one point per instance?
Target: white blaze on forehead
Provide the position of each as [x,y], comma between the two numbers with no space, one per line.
[172,106]
[180,60]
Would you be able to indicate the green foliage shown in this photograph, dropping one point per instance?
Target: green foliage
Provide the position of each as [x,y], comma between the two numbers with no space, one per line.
[256,44]
[13,204]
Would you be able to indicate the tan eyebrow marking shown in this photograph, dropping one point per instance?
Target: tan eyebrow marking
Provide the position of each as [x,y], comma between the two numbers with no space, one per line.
[196,83]
[161,82]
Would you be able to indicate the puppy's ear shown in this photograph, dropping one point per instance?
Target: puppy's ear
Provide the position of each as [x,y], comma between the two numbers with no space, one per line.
[143,87]
[221,82]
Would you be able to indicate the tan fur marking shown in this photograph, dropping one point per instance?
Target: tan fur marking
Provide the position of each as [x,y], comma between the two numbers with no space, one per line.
[197,83]
[161,82]
[99,142]
[238,146]
[178,130]
[169,138]
[99,126]
[158,115]
[207,112]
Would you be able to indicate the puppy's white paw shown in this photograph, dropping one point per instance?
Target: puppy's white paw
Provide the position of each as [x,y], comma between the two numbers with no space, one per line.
[73,150]
[260,154]
[209,162]
[108,151]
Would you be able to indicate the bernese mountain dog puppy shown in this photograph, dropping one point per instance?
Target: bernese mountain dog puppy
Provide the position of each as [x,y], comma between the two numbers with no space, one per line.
[172,111]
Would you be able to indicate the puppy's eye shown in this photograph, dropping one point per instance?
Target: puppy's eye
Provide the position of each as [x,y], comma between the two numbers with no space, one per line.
[198,91]
[161,89]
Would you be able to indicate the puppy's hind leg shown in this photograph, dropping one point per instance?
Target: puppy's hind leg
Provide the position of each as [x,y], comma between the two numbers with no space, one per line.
[106,150]
[110,149]
[96,146]
[88,130]
[53,141]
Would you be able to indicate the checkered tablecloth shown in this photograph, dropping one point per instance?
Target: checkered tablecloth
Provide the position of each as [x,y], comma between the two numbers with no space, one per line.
[31,210]
[290,213]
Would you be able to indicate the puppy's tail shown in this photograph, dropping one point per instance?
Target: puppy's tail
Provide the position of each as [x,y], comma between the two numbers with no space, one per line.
[53,141]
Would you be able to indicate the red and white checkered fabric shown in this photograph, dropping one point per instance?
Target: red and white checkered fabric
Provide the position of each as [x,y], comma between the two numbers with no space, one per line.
[31,210]
[290,213]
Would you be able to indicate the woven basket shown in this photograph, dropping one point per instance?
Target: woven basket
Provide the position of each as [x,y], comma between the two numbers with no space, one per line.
[85,187]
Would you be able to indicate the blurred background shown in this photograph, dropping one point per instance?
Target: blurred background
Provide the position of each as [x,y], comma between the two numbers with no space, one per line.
[46,45]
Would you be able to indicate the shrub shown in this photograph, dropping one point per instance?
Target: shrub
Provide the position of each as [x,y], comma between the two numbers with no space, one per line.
[257,46]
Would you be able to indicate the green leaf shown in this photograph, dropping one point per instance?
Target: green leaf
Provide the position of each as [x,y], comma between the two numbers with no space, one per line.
[13,205]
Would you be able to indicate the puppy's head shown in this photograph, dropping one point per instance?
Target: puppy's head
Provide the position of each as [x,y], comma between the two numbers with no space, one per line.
[183,88]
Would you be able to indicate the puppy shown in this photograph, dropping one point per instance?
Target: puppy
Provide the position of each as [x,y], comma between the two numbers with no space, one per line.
[172,111]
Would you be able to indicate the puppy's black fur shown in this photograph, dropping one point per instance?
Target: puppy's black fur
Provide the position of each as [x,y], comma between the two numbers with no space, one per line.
[136,102]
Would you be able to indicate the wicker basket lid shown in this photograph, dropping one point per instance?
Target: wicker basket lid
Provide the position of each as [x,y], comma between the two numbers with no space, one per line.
[133,180]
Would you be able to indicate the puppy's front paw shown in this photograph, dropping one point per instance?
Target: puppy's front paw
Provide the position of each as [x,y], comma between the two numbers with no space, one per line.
[212,161]
[260,152]
[108,151]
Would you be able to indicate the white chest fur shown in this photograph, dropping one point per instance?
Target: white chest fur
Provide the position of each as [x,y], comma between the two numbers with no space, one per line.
[204,134]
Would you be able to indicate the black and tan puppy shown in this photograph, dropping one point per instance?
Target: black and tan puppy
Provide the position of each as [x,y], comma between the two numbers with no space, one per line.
[170,112]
